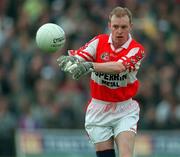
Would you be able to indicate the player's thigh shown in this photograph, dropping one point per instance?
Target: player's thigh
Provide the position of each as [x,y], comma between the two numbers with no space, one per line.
[105,145]
[125,143]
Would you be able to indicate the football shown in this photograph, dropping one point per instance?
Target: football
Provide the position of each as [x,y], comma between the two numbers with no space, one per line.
[50,37]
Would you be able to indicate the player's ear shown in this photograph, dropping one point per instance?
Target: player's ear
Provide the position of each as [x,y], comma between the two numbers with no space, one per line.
[109,24]
[131,26]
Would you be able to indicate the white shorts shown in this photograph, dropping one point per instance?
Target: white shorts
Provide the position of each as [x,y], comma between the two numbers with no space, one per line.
[104,120]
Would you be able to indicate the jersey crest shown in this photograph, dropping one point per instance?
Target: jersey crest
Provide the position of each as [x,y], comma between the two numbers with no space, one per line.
[105,56]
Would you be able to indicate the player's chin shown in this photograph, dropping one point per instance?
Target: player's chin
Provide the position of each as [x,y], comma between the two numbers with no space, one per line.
[120,39]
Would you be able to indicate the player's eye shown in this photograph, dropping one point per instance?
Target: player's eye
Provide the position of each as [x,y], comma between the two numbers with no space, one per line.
[124,26]
[115,26]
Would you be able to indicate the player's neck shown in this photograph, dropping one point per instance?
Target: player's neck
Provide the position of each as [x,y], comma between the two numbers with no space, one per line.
[120,43]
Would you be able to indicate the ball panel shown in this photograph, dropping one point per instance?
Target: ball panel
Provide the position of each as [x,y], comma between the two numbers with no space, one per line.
[60,40]
[50,37]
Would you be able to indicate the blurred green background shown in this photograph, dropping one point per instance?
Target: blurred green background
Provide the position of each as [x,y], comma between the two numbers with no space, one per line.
[35,94]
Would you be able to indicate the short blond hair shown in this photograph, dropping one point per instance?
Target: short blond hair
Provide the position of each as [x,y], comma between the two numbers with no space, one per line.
[120,12]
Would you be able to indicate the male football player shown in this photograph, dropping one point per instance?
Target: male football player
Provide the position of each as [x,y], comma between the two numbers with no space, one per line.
[113,60]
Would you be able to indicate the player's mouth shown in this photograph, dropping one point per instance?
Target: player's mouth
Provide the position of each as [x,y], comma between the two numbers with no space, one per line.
[119,37]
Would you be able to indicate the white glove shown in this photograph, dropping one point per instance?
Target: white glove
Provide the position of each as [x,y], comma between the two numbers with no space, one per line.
[66,61]
[80,69]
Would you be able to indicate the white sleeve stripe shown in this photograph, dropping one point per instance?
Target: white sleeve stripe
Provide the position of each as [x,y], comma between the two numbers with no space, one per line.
[120,60]
[92,47]
[124,58]
[80,58]
[86,56]
[137,65]
[132,52]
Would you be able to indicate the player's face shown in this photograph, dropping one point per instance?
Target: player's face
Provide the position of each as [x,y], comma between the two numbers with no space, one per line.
[120,27]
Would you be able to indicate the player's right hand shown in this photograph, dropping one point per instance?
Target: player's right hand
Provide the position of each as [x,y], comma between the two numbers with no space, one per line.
[66,61]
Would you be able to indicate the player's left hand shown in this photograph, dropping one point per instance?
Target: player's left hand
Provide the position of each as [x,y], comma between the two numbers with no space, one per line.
[79,69]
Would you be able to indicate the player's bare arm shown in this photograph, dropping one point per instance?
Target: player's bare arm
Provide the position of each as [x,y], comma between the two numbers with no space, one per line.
[109,67]
[80,68]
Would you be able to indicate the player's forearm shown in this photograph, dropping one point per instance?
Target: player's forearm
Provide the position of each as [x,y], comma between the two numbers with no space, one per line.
[109,67]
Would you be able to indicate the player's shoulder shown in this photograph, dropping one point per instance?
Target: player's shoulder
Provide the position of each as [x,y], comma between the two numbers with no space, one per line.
[135,43]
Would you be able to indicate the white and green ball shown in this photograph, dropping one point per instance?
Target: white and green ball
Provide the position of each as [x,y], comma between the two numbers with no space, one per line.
[50,37]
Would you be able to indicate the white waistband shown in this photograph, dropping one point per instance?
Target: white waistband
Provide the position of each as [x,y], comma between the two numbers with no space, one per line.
[97,101]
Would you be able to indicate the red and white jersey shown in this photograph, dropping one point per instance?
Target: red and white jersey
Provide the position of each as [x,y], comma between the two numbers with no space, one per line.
[112,87]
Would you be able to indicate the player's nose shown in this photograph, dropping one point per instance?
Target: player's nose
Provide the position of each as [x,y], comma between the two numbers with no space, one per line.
[119,30]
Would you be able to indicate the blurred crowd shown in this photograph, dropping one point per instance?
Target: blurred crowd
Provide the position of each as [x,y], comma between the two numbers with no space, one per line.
[34,93]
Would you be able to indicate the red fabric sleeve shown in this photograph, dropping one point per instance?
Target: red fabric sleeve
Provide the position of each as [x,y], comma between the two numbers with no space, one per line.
[130,62]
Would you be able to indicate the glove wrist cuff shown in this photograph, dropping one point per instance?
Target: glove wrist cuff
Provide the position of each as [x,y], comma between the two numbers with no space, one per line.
[90,66]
